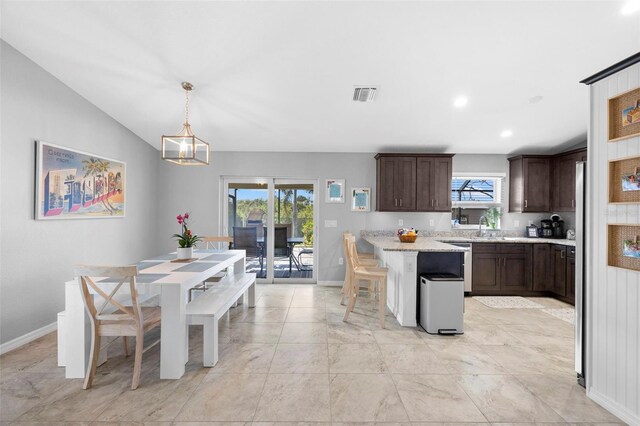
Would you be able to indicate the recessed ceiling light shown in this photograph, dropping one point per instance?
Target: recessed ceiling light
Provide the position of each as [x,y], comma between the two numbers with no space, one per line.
[460,101]
[630,7]
[535,99]
[506,133]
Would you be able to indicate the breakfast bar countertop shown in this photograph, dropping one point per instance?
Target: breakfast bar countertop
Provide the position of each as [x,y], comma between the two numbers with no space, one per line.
[445,242]
[421,244]
[507,240]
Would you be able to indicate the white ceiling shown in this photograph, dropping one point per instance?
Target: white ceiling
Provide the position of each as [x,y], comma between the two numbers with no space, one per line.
[279,76]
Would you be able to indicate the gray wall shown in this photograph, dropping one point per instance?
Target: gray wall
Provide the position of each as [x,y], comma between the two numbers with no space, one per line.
[197,190]
[36,257]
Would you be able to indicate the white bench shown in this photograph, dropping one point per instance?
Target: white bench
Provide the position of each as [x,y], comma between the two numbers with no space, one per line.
[208,308]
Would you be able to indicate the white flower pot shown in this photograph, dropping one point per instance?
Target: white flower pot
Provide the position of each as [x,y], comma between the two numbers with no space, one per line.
[184,253]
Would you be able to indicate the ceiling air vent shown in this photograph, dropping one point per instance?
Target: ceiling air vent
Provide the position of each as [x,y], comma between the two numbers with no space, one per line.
[364,94]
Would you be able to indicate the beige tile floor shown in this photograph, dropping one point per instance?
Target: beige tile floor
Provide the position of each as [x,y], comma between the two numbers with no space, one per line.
[292,359]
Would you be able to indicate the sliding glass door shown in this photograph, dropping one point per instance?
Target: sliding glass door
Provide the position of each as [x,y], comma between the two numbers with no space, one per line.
[275,220]
[247,214]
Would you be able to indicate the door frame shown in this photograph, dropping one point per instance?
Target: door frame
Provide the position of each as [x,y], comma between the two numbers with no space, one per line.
[271,183]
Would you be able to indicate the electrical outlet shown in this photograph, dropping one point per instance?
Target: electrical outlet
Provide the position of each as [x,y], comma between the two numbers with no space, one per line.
[340,261]
[516,223]
[400,222]
[530,223]
[432,222]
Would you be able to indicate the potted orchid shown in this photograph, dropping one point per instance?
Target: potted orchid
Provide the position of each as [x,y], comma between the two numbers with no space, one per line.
[186,240]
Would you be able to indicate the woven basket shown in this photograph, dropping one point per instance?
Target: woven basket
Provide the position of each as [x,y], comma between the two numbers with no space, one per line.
[404,238]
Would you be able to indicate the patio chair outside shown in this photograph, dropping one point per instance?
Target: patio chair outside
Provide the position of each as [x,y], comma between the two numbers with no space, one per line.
[246,238]
[258,225]
[281,244]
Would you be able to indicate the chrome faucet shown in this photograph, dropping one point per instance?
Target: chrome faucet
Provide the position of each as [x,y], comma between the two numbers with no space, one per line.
[480,233]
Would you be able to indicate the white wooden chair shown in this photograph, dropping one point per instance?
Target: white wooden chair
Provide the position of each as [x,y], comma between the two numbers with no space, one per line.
[212,243]
[366,259]
[217,243]
[358,271]
[114,316]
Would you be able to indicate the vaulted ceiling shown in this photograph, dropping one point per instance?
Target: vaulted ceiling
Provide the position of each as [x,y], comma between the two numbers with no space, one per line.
[279,76]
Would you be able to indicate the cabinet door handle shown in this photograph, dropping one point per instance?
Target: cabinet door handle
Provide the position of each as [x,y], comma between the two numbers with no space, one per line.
[400,202]
[525,204]
[431,203]
[573,203]
[562,254]
[395,202]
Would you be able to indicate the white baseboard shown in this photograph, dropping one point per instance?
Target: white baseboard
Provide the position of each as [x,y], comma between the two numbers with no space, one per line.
[27,338]
[614,408]
[330,283]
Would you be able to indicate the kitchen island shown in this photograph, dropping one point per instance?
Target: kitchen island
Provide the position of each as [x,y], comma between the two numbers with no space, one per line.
[403,264]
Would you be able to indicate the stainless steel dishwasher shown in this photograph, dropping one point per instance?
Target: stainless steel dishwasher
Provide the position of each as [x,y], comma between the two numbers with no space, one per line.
[467,266]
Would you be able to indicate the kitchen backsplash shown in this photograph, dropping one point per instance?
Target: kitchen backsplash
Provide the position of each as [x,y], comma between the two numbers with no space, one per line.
[452,233]
[441,222]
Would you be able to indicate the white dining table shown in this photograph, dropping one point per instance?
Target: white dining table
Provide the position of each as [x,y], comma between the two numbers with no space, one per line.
[159,275]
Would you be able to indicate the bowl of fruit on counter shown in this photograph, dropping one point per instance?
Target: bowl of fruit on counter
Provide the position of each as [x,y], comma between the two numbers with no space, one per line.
[407,235]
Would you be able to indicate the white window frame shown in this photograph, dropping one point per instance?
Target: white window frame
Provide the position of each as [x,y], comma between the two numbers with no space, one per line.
[498,190]
[270,184]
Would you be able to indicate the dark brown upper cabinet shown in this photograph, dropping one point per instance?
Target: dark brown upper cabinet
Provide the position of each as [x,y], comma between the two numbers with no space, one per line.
[396,183]
[529,184]
[564,180]
[544,183]
[434,184]
[413,182]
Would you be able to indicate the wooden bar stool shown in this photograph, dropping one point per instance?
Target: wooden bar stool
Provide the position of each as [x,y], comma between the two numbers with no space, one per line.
[127,319]
[358,272]
[364,258]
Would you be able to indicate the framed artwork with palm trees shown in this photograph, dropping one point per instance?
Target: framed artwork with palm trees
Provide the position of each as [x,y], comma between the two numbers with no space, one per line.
[72,184]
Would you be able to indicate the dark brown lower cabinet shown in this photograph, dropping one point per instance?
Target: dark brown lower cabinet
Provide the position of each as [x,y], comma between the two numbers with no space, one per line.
[485,272]
[515,275]
[541,267]
[535,269]
[559,270]
[501,268]
[571,274]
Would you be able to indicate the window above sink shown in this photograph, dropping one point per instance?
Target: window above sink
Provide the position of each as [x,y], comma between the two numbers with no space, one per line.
[474,195]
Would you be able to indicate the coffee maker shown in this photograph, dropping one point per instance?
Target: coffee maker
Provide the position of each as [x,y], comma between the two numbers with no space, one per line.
[546,229]
[557,224]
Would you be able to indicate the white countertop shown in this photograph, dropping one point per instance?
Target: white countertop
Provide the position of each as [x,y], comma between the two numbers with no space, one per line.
[421,244]
[502,240]
[441,244]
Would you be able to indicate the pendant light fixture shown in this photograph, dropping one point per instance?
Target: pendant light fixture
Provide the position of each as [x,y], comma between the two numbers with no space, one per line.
[185,149]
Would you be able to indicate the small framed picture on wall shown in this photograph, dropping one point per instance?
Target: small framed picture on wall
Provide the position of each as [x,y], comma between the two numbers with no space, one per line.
[334,191]
[360,199]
